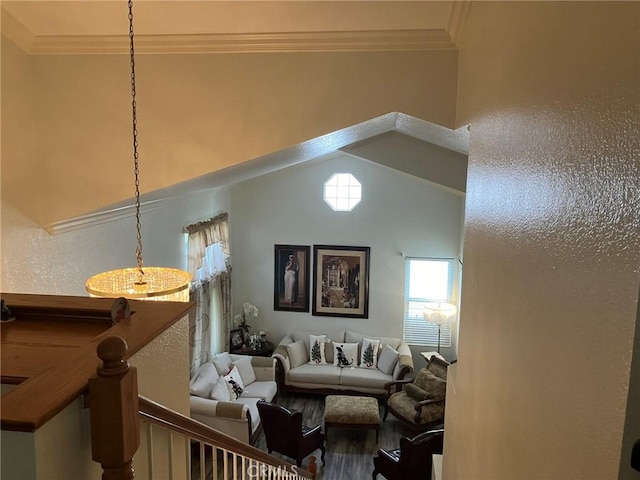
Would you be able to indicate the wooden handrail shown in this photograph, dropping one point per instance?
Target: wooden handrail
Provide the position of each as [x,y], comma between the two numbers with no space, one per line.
[49,351]
[157,414]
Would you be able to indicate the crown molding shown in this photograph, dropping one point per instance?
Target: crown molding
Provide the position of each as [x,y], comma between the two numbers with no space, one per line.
[347,41]
[104,216]
[457,20]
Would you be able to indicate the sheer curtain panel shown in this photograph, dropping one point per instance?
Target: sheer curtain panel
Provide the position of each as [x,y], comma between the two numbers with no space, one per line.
[209,264]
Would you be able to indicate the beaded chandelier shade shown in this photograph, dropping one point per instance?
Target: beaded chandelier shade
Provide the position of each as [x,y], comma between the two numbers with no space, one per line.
[150,283]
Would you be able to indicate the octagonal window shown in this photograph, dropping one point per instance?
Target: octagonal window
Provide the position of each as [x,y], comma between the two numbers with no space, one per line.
[342,192]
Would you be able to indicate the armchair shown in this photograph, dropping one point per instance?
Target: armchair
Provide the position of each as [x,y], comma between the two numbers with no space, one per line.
[413,460]
[419,403]
[285,434]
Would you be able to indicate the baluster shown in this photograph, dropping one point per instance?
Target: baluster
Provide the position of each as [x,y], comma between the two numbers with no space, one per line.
[113,400]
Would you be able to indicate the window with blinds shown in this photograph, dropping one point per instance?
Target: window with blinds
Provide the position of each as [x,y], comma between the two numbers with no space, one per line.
[426,280]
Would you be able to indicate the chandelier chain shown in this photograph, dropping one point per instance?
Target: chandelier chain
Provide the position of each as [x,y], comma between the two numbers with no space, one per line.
[156,283]
[136,169]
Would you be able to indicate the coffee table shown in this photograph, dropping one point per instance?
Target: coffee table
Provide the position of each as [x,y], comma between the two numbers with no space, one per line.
[347,411]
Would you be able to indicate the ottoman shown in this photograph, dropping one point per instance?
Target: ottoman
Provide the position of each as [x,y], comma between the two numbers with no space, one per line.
[347,411]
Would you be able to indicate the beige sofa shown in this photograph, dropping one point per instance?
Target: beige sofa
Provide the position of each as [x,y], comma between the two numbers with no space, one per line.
[238,417]
[297,371]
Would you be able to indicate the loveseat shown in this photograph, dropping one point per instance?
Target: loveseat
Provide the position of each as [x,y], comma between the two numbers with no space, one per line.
[348,363]
[225,392]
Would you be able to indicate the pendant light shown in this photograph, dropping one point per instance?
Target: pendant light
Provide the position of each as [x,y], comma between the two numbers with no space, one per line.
[150,283]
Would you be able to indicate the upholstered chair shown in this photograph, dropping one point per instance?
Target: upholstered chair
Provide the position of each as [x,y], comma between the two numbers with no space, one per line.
[413,460]
[285,434]
[419,403]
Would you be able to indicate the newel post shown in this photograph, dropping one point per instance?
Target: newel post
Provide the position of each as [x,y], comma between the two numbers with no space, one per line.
[113,400]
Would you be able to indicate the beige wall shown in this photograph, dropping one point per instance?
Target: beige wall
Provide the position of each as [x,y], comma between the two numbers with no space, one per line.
[550,280]
[198,114]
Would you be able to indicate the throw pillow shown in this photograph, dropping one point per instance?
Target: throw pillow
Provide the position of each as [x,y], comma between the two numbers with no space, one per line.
[345,354]
[203,380]
[220,391]
[316,349]
[388,359]
[246,370]
[430,383]
[415,392]
[297,352]
[223,363]
[369,355]
[234,382]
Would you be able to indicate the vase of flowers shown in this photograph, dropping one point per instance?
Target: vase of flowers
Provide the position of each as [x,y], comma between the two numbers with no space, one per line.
[248,311]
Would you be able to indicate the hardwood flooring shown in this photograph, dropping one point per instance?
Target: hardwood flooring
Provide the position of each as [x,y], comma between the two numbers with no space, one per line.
[350,452]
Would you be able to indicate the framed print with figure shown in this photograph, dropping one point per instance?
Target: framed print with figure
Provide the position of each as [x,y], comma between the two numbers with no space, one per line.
[291,278]
[341,281]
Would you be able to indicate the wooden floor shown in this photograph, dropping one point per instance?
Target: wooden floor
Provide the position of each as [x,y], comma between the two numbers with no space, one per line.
[349,452]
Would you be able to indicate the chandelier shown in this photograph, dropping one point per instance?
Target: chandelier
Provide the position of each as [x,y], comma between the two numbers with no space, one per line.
[150,283]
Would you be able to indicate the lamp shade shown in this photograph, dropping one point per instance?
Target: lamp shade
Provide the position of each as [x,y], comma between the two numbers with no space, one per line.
[441,313]
[157,283]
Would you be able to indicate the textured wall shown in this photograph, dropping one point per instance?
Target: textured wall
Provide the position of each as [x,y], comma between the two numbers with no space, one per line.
[551,273]
[35,262]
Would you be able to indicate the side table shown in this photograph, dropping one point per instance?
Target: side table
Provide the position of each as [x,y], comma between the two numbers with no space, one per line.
[427,356]
[265,350]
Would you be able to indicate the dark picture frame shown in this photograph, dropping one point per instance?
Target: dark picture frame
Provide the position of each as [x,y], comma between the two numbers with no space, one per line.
[291,280]
[341,281]
[236,339]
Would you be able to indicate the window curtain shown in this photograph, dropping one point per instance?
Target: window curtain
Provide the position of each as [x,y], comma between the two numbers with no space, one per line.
[209,324]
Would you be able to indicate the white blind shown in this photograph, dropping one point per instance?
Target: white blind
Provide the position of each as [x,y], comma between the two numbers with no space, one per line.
[426,280]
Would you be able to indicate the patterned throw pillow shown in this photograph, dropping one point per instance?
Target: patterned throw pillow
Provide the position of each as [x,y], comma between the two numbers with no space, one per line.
[345,354]
[234,382]
[369,355]
[316,349]
[427,381]
[415,392]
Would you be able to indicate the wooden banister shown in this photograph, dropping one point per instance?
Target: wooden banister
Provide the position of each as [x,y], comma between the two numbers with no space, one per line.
[157,414]
[113,402]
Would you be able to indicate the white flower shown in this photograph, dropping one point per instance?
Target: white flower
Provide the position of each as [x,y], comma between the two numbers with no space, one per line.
[250,310]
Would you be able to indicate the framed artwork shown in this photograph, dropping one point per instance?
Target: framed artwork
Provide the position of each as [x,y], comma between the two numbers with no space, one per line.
[291,278]
[236,339]
[341,281]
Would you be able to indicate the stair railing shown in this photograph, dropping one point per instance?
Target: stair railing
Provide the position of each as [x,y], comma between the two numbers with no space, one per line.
[173,441]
